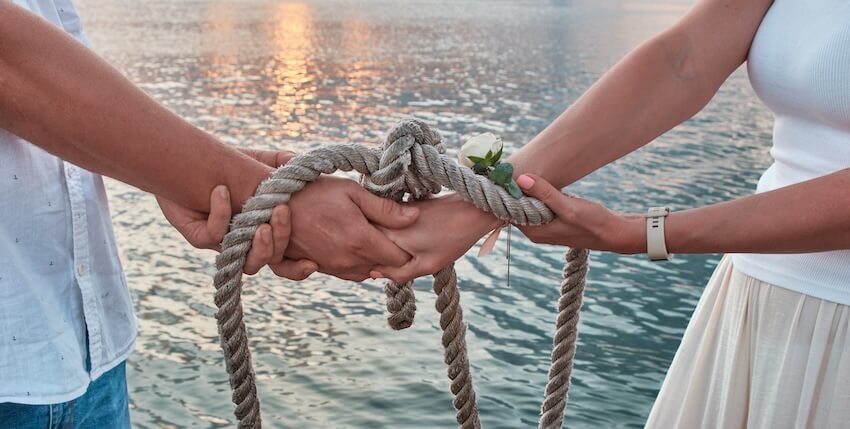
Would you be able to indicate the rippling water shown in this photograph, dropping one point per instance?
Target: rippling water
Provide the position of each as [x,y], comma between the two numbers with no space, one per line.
[270,74]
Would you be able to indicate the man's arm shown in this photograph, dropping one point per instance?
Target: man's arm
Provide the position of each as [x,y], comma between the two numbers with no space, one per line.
[657,86]
[59,95]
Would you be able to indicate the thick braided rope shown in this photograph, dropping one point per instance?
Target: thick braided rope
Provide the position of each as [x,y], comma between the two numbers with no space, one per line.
[564,343]
[410,163]
[454,345]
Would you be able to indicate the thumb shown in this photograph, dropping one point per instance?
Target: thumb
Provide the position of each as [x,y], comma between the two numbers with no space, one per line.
[294,270]
[218,221]
[400,275]
[384,211]
[537,187]
[283,157]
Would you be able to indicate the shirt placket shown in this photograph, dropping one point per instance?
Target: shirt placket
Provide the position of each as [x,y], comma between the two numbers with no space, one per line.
[82,263]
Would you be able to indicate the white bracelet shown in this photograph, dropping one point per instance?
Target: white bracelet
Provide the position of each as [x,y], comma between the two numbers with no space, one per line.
[656,247]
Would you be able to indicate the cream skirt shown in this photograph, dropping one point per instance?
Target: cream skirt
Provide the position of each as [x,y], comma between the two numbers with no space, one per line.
[758,356]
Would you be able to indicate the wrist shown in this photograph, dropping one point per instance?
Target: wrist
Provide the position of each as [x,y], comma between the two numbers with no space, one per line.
[481,221]
[632,239]
[245,185]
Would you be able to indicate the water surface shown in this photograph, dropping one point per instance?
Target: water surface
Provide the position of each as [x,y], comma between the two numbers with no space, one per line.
[295,75]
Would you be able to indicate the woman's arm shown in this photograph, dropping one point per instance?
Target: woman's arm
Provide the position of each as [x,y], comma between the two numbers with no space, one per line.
[811,216]
[654,88]
[658,85]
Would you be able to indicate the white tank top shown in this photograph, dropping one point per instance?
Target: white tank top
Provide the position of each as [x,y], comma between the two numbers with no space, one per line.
[799,65]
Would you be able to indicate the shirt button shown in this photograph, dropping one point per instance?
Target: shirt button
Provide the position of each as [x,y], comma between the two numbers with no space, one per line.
[81,269]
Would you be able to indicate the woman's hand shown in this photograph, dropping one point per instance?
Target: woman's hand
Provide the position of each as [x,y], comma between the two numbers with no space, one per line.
[447,227]
[582,223]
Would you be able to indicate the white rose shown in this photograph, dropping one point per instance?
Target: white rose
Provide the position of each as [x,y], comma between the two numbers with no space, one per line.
[478,146]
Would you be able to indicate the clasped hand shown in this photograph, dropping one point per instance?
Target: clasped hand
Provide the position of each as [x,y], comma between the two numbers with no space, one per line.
[336,227]
[448,227]
[330,226]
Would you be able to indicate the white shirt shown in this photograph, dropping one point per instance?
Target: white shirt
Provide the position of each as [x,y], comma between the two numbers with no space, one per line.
[60,276]
[799,65]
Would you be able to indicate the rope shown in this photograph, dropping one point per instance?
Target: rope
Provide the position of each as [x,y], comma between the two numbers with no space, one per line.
[410,163]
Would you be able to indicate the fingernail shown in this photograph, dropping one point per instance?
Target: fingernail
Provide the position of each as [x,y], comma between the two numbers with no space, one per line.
[375,275]
[525,181]
[223,194]
[266,236]
[409,211]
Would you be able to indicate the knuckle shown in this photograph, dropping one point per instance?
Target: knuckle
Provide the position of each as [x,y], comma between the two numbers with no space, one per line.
[347,265]
[279,271]
[568,215]
[547,194]
[358,246]
[283,272]
[388,206]
[429,267]
[350,186]
[354,277]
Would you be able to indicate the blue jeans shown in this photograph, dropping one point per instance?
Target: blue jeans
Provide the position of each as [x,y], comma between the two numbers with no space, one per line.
[103,406]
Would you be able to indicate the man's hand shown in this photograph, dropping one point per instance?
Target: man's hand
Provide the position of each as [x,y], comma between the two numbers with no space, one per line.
[206,230]
[334,223]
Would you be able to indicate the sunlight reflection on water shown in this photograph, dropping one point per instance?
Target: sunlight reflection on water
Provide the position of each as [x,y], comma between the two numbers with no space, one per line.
[294,75]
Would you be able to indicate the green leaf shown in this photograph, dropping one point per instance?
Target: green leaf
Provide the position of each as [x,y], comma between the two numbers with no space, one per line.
[514,189]
[502,174]
[476,159]
[492,175]
[505,172]
[489,156]
[498,156]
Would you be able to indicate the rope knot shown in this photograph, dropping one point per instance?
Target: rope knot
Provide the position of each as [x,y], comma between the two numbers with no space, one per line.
[410,163]
[402,160]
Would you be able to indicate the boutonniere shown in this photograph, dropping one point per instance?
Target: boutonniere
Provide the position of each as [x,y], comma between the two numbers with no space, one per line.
[482,153]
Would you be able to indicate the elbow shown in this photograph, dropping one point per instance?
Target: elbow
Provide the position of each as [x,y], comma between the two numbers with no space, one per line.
[693,81]
[675,48]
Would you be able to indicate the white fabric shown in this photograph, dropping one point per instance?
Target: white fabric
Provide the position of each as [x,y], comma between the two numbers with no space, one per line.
[799,65]
[60,275]
[758,356]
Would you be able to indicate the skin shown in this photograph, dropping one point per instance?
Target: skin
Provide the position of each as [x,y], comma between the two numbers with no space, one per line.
[657,86]
[207,230]
[60,96]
